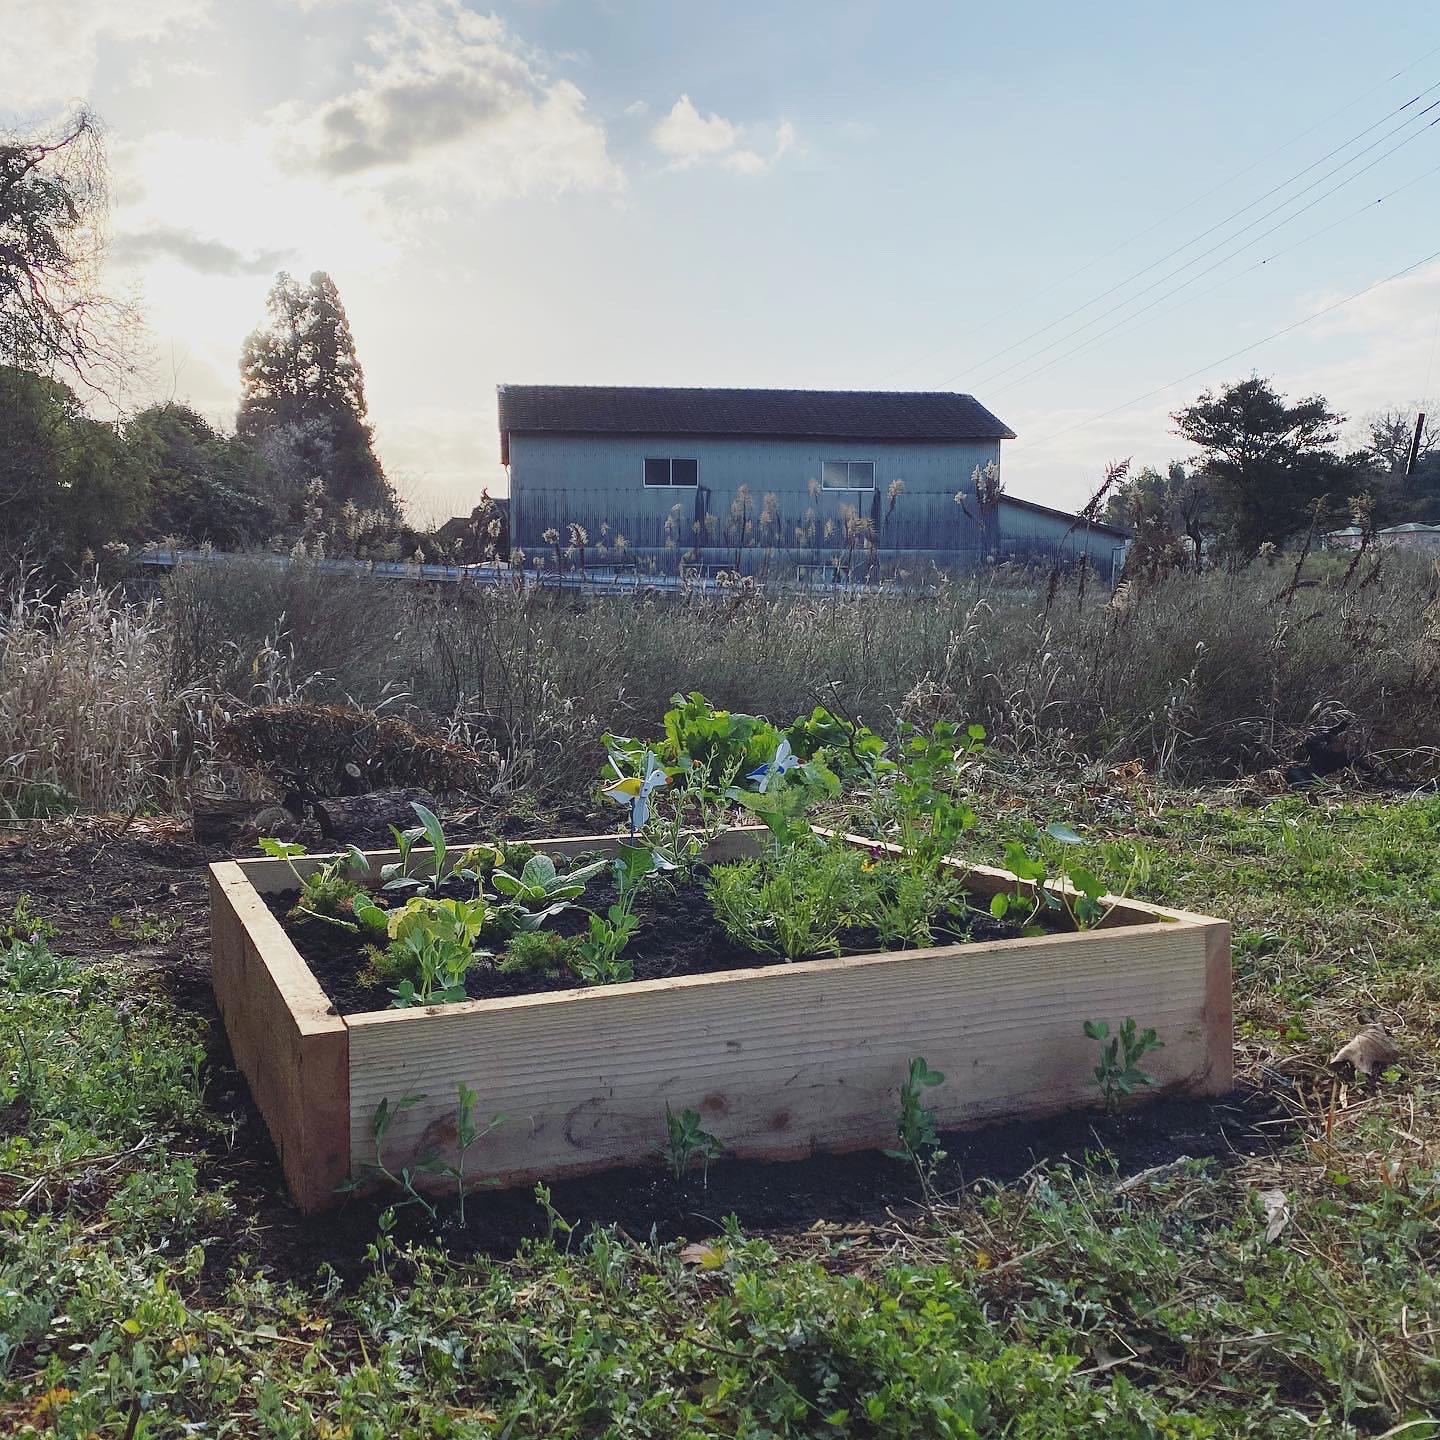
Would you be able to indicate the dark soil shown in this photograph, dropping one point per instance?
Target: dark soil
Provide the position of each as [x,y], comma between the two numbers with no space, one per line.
[80,876]
[678,935]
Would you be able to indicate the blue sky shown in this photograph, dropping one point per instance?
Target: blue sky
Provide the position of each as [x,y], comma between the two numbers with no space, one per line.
[830,195]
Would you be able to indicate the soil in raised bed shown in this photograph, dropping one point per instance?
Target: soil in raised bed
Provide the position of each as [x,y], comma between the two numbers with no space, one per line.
[678,935]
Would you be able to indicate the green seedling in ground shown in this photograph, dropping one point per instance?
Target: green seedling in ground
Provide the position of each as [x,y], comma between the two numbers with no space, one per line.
[1119,1073]
[466,1134]
[915,1125]
[687,1143]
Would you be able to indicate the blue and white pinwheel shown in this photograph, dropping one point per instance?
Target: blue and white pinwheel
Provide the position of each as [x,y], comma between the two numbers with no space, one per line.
[636,790]
[783,761]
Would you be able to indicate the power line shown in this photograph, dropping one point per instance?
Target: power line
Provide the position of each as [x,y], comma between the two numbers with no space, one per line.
[949,344]
[1220,224]
[1225,359]
[1127,320]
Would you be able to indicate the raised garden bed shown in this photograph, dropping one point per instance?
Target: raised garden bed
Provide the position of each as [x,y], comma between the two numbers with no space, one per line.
[780,1060]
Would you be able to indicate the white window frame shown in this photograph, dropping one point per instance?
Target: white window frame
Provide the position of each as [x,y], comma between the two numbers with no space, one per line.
[670,461]
[849,489]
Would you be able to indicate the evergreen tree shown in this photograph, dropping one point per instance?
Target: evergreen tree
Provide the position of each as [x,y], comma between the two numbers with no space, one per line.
[1268,461]
[299,373]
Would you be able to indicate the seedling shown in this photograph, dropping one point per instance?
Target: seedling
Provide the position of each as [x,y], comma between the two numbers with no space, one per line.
[915,1125]
[427,872]
[328,887]
[466,1134]
[687,1143]
[599,961]
[1119,1072]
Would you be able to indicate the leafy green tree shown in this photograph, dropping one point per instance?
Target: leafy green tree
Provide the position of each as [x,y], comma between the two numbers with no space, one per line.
[1171,513]
[300,375]
[1268,461]
[199,480]
[67,483]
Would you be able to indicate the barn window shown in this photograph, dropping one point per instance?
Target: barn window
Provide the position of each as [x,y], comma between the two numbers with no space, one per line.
[672,472]
[848,475]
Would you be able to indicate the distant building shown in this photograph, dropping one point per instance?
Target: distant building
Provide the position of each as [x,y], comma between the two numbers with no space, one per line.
[806,481]
[1410,536]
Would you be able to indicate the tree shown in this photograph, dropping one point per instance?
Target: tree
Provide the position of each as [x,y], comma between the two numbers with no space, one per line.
[67,483]
[54,199]
[299,373]
[1170,513]
[198,480]
[1400,497]
[1269,462]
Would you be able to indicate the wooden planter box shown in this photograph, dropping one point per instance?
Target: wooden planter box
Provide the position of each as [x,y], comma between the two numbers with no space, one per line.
[781,1061]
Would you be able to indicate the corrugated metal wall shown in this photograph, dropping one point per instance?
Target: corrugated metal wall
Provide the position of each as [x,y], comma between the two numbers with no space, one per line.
[598,482]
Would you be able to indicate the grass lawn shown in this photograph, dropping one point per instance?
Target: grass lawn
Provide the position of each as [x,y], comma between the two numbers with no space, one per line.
[148,1288]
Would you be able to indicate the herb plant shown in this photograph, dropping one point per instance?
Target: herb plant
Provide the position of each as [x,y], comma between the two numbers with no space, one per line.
[539,952]
[793,900]
[1119,1072]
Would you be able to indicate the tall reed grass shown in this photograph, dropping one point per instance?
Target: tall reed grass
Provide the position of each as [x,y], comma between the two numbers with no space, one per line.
[1195,677]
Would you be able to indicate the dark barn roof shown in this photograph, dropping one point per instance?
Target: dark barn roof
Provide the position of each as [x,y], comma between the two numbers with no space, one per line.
[819,414]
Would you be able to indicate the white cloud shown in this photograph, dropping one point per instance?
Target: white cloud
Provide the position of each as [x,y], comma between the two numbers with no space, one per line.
[687,136]
[51,47]
[637,108]
[454,91]
[690,138]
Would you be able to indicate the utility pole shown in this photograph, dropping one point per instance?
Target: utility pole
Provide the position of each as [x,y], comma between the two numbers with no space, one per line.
[1415,445]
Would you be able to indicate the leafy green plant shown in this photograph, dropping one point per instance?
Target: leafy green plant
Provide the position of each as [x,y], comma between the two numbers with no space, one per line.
[540,892]
[598,959]
[788,790]
[1080,899]
[404,1181]
[330,889]
[24,924]
[687,1143]
[431,947]
[424,869]
[539,952]
[1119,1073]
[792,900]
[851,750]
[467,1132]
[915,1125]
[918,810]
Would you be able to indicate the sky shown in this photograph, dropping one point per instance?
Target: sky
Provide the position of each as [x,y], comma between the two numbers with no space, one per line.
[1083,215]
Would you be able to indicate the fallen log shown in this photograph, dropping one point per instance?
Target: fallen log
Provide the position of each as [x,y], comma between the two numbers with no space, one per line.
[366,820]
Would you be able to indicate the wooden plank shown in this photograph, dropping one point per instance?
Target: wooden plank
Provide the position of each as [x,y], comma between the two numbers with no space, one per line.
[789,1059]
[287,1042]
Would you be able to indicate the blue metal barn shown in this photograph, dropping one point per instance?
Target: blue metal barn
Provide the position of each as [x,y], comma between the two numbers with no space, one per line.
[860,483]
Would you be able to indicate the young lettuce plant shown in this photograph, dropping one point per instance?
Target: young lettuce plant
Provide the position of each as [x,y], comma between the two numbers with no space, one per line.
[432,942]
[539,892]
